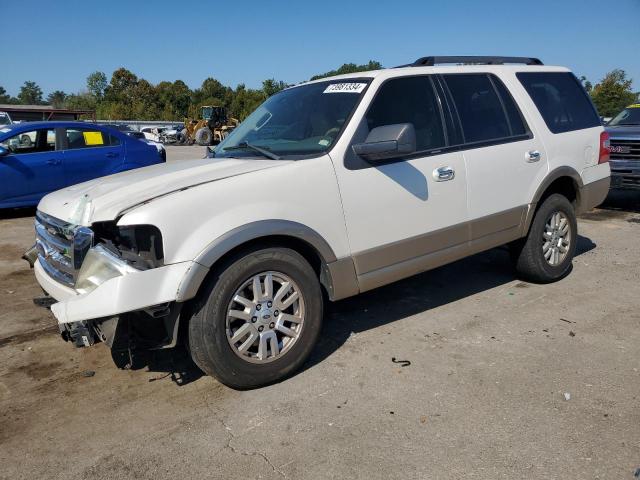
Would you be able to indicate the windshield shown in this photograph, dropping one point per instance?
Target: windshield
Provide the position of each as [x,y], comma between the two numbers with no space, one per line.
[4,119]
[628,116]
[303,120]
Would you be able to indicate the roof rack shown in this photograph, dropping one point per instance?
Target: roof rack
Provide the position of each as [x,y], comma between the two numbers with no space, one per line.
[470,59]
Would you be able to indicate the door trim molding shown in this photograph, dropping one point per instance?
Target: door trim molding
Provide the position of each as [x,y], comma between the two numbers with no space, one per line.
[385,264]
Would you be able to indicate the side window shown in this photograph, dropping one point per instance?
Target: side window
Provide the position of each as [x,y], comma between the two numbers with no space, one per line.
[114,141]
[560,99]
[34,141]
[409,100]
[516,122]
[86,139]
[479,107]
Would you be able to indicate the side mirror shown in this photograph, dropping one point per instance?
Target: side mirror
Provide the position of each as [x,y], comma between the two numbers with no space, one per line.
[4,151]
[388,141]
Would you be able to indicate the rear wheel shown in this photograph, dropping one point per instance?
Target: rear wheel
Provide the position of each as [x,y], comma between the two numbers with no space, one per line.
[258,320]
[546,253]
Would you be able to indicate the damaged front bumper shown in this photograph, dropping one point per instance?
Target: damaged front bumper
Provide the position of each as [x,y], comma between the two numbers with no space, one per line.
[129,300]
[120,294]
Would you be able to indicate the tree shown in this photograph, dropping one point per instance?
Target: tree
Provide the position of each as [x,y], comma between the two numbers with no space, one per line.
[350,68]
[613,93]
[245,101]
[57,99]
[586,84]
[271,86]
[96,84]
[30,94]
[4,96]
[122,86]
[174,99]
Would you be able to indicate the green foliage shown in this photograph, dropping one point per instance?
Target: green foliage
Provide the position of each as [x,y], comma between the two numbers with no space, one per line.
[5,97]
[613,93]
[245,100]
[586,84]
[97,84]
[271,86]
[350,68]
[30,94]
[127,97]
[57,99]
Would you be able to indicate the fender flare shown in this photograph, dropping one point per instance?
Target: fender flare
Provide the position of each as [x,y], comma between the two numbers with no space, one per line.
[264,228]
[551,177]
[556,174]
[338,276]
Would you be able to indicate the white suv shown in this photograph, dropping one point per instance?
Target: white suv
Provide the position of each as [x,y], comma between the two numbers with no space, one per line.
[328,189]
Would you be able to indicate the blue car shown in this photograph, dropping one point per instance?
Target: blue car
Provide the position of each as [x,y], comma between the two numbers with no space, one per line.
[37,158]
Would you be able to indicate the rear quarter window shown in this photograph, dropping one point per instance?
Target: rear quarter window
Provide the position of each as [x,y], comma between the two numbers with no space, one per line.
[561,100]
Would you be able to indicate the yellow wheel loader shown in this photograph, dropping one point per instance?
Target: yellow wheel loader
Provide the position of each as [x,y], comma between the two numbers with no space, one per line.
[213,126]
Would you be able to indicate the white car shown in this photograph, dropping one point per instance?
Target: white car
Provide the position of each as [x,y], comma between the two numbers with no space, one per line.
[5,119]
[330,188]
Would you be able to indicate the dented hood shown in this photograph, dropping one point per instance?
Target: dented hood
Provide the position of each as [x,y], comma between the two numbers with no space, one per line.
[104,198]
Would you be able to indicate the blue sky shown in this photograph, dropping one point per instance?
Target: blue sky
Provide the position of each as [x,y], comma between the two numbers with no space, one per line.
[58,43]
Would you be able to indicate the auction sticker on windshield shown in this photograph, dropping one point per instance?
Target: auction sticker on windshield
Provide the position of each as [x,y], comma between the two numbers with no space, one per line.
[345,88]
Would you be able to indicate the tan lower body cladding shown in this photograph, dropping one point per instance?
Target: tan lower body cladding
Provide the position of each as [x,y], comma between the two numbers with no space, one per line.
[388,263]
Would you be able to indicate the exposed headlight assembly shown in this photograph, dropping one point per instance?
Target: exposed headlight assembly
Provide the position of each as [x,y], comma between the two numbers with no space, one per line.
[99,266]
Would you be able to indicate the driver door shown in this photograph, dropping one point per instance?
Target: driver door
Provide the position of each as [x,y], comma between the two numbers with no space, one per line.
[404,215]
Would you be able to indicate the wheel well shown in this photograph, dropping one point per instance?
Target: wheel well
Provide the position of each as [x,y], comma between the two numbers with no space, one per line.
[308,252]
[564,186]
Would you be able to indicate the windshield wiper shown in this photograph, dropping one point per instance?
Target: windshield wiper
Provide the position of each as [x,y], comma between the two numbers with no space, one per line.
[255,148]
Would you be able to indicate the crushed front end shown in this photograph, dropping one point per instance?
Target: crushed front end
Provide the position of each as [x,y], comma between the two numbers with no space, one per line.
[108,283]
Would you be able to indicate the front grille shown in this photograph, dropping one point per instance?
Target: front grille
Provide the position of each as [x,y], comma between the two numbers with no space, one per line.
[61,247]
[625,149]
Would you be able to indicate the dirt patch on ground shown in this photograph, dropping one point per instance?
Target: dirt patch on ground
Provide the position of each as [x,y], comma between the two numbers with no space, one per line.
[11,252]
[27,336]
[600,215]
[40,371]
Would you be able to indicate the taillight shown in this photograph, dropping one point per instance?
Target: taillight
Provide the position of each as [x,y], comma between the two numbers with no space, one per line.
[605,148]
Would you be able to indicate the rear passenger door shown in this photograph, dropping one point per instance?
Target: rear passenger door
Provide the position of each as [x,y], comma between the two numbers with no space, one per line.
[90,153]
[503,157]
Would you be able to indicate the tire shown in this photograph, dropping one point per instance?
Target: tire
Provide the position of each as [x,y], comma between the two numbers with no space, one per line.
[530,254]
[212,332]
[203,136]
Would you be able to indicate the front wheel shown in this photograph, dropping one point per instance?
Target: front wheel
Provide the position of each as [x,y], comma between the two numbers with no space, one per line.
[204,136]
[257,321]
[546,253]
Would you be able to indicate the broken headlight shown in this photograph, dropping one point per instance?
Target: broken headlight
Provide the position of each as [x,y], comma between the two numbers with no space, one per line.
[138,245]
[99,266]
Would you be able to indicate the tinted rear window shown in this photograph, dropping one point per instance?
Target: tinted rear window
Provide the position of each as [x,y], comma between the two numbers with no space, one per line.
[561,100]
[486,109]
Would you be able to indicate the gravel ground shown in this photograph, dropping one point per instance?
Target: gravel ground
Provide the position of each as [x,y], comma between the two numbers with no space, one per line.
[484,396]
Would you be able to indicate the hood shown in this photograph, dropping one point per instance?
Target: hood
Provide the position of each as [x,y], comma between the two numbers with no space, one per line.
[619,131]
[104,198]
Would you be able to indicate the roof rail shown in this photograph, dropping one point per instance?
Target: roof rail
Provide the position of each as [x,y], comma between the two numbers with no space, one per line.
[470,59]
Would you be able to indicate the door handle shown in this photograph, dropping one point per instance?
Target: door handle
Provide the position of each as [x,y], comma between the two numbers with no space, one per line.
[533,156]
[112,155]
[442,174]
[53,161]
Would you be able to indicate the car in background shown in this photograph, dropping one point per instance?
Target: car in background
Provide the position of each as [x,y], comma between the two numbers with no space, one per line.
[624,137]
[127,130]
[37,158]
[5,119]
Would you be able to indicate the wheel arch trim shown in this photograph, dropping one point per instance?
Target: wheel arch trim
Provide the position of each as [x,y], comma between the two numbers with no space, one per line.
[560,172]
[337,275]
